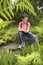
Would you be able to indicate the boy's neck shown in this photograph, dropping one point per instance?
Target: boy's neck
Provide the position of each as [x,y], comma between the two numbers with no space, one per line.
[24,21]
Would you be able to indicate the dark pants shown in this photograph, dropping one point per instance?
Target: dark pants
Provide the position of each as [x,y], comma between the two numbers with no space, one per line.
[31,37]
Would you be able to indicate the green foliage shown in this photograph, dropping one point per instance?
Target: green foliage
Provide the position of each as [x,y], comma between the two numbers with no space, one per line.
[25,5]
[7,31]
[30,54]
[6,9]
[7,59]
[38,29]
[41,23]
[3,24]
[26,50]
[36,4]
[10,59]
[29,48]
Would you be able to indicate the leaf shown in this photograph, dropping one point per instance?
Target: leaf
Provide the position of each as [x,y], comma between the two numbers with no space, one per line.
[25,5]
[17,7]
[11,12]
[6,11]
[2,14]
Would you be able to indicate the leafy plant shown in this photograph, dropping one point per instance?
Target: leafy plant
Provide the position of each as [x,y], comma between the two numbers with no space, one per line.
[6,9]
[10,59]
[24,5]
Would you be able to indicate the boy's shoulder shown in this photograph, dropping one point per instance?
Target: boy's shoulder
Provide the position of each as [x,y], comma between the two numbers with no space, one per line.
[21,22]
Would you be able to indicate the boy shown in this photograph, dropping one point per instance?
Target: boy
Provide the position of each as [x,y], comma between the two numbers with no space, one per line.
[23,29]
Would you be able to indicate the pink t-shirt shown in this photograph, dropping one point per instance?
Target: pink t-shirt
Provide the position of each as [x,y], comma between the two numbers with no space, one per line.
[24,25]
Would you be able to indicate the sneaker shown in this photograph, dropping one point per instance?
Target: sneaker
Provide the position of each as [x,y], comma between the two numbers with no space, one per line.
[21,45]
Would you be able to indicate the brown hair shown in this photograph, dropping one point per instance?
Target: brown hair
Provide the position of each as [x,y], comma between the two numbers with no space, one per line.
[24,15]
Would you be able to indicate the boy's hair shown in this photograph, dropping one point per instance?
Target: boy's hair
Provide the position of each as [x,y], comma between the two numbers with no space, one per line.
[24,15]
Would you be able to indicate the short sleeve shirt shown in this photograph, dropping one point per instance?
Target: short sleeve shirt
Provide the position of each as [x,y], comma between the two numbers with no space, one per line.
[24,25]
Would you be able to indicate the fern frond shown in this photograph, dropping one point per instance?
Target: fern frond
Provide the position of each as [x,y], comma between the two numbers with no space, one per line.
[6,11]
[25,5]
[11,12]
[2,14]
[17,7]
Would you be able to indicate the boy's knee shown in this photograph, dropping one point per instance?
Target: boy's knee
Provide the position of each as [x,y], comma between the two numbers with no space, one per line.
[36,40]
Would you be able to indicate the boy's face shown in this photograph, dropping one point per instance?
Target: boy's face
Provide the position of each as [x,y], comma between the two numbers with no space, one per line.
[25,19]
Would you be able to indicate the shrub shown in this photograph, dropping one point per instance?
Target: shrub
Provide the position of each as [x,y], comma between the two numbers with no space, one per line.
[7,31]
[10,59]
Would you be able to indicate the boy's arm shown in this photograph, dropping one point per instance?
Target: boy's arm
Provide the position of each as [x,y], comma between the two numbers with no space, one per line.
[19,27]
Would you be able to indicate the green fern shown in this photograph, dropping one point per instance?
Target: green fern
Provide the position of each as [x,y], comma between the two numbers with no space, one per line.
[25,5]
[2,14]
[5,9]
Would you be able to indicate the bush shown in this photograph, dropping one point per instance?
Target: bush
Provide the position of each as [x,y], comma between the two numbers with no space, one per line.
[7,31]
[10,59]
[37,30]
[7,59]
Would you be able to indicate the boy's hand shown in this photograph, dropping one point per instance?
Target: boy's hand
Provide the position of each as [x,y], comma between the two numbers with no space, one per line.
[23,30]
[20,29]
